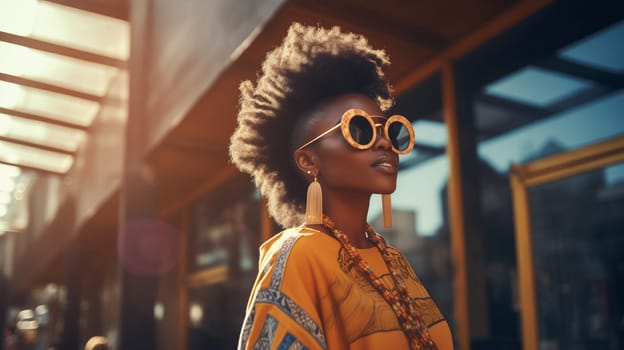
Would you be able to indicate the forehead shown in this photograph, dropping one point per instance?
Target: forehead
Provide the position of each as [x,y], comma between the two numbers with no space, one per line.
[334,109]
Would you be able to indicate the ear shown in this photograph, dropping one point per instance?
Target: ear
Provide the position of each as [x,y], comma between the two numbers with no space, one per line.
[307,162]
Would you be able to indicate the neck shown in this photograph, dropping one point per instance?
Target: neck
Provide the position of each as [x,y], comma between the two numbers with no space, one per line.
[349,212]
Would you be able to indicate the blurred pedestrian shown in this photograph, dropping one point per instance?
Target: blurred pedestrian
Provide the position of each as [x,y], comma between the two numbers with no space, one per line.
[97,343]
[10,338]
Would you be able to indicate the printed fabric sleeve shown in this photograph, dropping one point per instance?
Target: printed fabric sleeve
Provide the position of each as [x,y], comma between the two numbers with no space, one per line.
[282,312]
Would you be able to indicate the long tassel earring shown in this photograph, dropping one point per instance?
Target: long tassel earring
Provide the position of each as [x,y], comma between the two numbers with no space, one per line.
[314,204]
[386,207]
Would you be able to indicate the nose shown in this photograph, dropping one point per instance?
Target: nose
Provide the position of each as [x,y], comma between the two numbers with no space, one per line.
[382,142]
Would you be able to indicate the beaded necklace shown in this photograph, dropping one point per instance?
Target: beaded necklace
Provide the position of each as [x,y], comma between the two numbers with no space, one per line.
[402,305]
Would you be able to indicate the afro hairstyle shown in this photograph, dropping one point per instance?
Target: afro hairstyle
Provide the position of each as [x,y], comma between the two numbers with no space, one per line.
[310,67]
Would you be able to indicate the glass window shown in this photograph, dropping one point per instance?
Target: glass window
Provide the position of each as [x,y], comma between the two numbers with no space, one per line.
[589,123]
[603,50]
[576,226]
[215,317]
[537,87]
[430,133]
[226,229]
[225,236]
[529,114]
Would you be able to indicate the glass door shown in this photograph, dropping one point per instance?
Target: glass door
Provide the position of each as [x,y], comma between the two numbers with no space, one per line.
[569,218]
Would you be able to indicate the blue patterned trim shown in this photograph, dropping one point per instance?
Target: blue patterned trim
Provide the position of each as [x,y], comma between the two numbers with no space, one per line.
[294,311]
[280,262]
[273,295]
[267,334]
[289,342]
[244,337]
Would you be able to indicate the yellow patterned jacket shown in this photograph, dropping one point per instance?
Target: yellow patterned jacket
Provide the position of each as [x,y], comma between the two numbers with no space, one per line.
[310,295]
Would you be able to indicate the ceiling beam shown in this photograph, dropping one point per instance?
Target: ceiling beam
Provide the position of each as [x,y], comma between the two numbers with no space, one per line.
[116,9]
[361,19]
[582,97]
[526,114]
[507,19]
[41,118]
[62,50]
[35,145]
[535,114]
[31,168]
[49,87]
[509,104]
[586,72]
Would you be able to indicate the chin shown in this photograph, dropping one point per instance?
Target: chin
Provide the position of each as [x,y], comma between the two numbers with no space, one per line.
[385,189]
[381,185]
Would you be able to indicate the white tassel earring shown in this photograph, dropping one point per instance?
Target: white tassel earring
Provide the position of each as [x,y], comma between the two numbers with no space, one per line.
[314,203]
[386,207]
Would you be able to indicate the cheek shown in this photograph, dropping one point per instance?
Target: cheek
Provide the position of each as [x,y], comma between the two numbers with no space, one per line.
[338,162]
[346,168]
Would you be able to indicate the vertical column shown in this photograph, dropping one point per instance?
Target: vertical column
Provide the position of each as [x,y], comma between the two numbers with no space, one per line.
[5,289]
[471,203]
[183,301]
[467,244]
[456,217]
[93,285]
[138,215]
[524,256]
[138,275]
[70,336]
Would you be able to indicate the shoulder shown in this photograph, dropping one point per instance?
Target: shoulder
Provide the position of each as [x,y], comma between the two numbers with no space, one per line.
[296,264]
[298,250]
[299,243]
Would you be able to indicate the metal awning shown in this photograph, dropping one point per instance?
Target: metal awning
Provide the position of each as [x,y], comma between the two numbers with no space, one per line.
[57,59]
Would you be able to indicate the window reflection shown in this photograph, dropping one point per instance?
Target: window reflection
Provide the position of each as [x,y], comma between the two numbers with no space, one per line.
[225,235]
[430,133]
[548,107]
[586,124]
[537,87]
[603,50]
[577,245]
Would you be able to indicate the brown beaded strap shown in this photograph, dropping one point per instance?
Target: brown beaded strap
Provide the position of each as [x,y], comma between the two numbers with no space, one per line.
[403,306]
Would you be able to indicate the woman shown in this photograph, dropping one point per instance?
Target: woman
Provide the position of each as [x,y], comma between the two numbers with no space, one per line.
[315,120]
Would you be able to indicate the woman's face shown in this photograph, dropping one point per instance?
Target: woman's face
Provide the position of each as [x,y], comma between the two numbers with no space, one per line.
[343,168]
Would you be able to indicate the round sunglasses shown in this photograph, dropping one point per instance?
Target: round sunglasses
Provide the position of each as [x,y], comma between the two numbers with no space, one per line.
[360,131]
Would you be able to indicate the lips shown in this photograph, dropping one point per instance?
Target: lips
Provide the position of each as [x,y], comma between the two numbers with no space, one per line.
[385,162]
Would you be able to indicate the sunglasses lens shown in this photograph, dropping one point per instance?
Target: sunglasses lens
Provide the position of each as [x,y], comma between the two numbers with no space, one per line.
[361,130]
[399,136]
